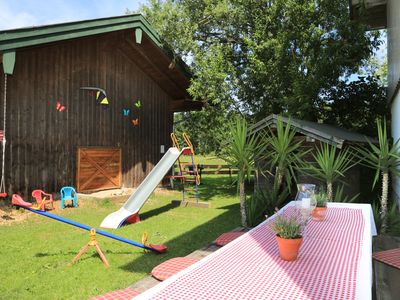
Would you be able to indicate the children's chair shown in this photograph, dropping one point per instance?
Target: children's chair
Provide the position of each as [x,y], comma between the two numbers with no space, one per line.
[68,193]
[42,199]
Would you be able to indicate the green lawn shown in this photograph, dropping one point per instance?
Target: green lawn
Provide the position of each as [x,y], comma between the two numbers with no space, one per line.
[34,254]
[209,160]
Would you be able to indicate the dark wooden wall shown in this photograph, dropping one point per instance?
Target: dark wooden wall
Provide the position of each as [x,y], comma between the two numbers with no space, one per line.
[42,142]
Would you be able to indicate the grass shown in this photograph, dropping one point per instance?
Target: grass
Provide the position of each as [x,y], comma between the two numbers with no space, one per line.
[34,254]
[209,160]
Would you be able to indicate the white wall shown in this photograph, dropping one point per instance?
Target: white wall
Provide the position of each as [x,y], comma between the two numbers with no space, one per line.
[396,136]
[393,14]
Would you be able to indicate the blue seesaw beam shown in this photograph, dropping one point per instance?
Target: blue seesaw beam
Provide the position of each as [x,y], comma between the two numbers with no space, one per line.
[86,227]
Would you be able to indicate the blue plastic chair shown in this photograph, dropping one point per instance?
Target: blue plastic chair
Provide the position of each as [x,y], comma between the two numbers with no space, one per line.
[68,193]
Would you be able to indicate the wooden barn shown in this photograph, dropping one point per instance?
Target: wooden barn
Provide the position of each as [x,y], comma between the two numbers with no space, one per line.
[88,103]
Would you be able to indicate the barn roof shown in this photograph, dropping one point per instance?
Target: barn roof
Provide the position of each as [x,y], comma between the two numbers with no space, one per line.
[326,133]
[171,72]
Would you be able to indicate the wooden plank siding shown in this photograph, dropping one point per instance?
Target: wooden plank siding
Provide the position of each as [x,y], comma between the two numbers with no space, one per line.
[42,142]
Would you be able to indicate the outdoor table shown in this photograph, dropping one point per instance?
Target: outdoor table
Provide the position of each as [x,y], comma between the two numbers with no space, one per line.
[335,262]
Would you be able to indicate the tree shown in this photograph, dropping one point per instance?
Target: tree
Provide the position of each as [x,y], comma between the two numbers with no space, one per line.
[283,153]
[355,105]
[207,128]
[330,165]
[240,151]
[280,155]
[263,56]
[384,158]
[260,57]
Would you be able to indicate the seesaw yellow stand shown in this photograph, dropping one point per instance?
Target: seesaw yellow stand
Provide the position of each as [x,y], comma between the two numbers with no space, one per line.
[92,242]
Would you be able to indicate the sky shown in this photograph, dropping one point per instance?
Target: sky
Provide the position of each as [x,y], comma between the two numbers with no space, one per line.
[27,13]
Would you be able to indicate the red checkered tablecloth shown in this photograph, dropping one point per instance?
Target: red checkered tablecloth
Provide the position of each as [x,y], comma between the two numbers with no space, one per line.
[250,267]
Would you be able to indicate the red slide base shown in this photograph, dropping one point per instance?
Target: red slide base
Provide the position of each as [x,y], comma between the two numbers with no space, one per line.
[133,219]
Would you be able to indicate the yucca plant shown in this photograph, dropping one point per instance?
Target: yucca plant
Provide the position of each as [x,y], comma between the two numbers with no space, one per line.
[240,151]
[384,158]
[265,201]
[392,219]
[283,152]
[340,197]
[330,165]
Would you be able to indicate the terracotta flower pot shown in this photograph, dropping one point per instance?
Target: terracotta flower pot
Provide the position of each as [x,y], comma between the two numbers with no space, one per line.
[318,213]
[288,248]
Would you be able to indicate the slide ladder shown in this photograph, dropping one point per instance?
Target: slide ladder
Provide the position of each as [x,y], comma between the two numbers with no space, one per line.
[175,143]
[192,175]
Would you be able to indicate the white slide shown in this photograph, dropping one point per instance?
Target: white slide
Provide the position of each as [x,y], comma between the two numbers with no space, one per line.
[143,192]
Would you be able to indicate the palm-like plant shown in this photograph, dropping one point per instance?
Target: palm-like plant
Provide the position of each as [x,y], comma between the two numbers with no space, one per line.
[241,149]
[330,165]
[283,152]
[384,158]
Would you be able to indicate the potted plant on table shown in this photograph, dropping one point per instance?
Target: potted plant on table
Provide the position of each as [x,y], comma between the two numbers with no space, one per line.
[319,212]
[289,237]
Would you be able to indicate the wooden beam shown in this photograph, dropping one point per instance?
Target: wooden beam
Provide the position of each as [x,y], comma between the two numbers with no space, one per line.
[150,61]
[185,105]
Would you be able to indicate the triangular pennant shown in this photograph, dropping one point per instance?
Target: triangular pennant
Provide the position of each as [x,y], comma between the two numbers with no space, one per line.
[104,101]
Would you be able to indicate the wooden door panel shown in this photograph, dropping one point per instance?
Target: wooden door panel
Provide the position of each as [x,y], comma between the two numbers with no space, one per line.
[98,169]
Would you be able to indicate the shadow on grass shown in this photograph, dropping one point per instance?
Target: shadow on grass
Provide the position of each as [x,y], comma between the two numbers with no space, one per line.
[211,186]
[90,251]
[157,211]
[189,241]
[229,207]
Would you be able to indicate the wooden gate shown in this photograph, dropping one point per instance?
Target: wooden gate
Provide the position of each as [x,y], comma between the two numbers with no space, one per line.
[98,169]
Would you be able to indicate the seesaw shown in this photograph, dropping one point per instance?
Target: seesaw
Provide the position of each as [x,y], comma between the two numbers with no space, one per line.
[18,201]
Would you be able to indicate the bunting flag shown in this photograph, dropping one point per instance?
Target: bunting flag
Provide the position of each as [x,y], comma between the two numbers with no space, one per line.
[101,98]
[101,95]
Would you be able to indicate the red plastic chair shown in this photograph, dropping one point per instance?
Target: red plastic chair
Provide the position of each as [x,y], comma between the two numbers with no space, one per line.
[42,199]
